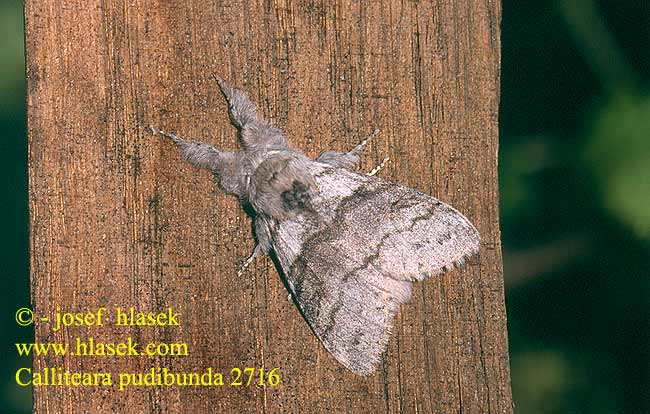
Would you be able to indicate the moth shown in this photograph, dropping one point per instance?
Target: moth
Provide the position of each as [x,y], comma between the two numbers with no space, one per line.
[349,244]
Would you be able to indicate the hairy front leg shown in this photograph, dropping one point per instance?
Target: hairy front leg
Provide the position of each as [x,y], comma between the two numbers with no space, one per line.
[222,163]
[349,160]
[254,131]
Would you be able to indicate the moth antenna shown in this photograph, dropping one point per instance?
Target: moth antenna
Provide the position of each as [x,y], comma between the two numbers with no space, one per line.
[379,167]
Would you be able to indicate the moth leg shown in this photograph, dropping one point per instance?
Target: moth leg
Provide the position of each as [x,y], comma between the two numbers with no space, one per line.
[349,160]
[222,163]
[379,167]
[253,130]
[196,153]
[362,144]
[256,252]
[340,159]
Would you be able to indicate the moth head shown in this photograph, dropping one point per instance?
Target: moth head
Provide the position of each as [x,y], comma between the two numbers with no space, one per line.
[281,187]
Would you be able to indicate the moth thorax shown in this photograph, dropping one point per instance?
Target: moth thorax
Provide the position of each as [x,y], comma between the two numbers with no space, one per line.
[280,188]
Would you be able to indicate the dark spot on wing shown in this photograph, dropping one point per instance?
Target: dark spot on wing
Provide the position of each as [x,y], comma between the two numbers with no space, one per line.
[444,238]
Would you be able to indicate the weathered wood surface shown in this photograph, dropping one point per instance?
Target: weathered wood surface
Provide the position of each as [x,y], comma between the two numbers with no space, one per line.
[117,219]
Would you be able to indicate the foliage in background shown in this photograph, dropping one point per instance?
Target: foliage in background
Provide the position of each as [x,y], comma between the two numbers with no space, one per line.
[14,245]
[575,186]
[618,154]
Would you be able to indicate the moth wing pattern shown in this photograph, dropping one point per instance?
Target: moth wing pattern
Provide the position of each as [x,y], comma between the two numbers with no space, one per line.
[352,264]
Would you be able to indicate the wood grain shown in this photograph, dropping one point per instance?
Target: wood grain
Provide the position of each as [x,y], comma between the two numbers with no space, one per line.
[117,219]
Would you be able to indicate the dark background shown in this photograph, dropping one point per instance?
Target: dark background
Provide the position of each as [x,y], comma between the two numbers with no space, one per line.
[574,169]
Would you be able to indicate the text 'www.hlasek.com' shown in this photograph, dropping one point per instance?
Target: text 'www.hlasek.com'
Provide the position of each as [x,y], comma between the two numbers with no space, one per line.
[54,360]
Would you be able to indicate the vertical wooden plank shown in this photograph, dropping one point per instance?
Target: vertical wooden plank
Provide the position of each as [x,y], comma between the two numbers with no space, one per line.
[117,219]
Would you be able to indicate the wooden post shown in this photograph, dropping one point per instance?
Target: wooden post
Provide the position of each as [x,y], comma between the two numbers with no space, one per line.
[118,220]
